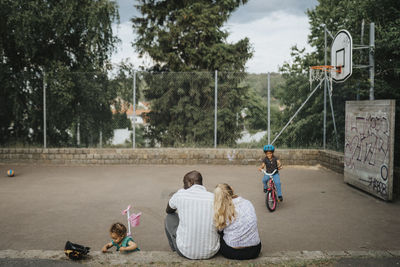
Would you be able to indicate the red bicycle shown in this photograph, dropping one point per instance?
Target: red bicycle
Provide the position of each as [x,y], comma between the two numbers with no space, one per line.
[271,197]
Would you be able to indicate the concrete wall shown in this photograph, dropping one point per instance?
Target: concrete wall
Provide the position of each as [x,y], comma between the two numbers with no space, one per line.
[369,146]
[331,160]
[72,156]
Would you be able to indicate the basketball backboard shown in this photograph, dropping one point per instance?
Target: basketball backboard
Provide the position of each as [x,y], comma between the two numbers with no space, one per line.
[342,56]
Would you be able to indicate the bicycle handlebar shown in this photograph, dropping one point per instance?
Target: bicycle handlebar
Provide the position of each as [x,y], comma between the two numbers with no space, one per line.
[269,174]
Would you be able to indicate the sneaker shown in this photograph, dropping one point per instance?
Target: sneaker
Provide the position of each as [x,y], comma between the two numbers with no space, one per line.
[280,198]
[265,190]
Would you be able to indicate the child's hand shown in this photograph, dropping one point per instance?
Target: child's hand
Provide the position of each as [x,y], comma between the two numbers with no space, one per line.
[106,247]
[122,249]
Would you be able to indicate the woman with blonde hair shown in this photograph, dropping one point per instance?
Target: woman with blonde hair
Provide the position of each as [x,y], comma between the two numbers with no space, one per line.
[236,221]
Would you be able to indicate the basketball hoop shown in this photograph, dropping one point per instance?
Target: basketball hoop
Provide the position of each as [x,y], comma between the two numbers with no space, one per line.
[317,73]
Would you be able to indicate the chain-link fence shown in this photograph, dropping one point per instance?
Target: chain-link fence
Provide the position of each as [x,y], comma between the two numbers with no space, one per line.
[186,109]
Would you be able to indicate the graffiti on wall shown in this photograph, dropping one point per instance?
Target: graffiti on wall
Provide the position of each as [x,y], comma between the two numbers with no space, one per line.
[367,148]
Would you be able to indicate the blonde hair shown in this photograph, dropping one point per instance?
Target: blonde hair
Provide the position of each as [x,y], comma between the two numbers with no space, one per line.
[224,210]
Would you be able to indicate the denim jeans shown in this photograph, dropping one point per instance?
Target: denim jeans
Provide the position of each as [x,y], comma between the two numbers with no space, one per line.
[277,181]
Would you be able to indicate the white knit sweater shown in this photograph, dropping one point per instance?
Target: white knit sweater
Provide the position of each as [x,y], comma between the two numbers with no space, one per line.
[243,231]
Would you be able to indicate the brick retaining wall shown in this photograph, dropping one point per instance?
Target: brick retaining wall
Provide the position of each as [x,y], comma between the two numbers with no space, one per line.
[332,160]
[78,156]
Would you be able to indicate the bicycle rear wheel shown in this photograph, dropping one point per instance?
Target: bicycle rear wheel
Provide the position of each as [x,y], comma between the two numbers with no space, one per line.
[270,200]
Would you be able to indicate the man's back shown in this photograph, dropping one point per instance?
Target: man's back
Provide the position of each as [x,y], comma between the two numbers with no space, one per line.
[196,236]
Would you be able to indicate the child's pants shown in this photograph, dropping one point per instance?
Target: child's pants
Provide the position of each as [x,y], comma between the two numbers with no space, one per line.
[277,181]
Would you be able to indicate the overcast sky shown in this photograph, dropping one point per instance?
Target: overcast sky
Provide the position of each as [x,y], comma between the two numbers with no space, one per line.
[272,26]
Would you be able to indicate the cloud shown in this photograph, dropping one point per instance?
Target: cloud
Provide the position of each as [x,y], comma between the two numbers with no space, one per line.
[272,28]
[127,10]
[125,51]
[271,37]
[258,9]
[252,10]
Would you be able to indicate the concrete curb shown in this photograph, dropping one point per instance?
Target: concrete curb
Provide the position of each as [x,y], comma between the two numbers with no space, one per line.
[97,258]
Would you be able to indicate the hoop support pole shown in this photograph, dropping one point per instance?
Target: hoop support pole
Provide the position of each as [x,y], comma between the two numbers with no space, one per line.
[302,105]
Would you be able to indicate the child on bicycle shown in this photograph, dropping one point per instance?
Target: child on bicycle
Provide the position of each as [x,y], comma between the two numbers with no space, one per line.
[270,163]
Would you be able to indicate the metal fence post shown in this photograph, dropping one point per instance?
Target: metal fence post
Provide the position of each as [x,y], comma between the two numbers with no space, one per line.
[215,109]
[101,129]
[269,108]
[134,112]
[325,82]
[44,112]
[78,130]
[101,139]
[371,60]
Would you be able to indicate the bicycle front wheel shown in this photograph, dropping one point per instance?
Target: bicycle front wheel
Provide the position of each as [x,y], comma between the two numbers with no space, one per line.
[270,200]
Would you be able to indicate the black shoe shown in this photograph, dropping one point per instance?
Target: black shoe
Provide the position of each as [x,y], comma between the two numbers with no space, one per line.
[280,198]
[265,190]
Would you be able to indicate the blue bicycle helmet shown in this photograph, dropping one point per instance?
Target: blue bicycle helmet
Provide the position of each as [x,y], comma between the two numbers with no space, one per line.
[269,148]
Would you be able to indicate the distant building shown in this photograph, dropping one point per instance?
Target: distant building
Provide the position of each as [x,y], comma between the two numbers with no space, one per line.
[142,109]
[122,136]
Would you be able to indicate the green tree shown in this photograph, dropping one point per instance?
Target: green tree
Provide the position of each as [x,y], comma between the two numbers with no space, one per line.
[123,82]
[258,117]
[52,38]
[292,93]
[337,15]
[183,36]
[256,112]
[259,83]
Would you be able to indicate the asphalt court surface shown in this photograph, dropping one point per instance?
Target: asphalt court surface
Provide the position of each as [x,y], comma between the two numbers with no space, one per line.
[44,206]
